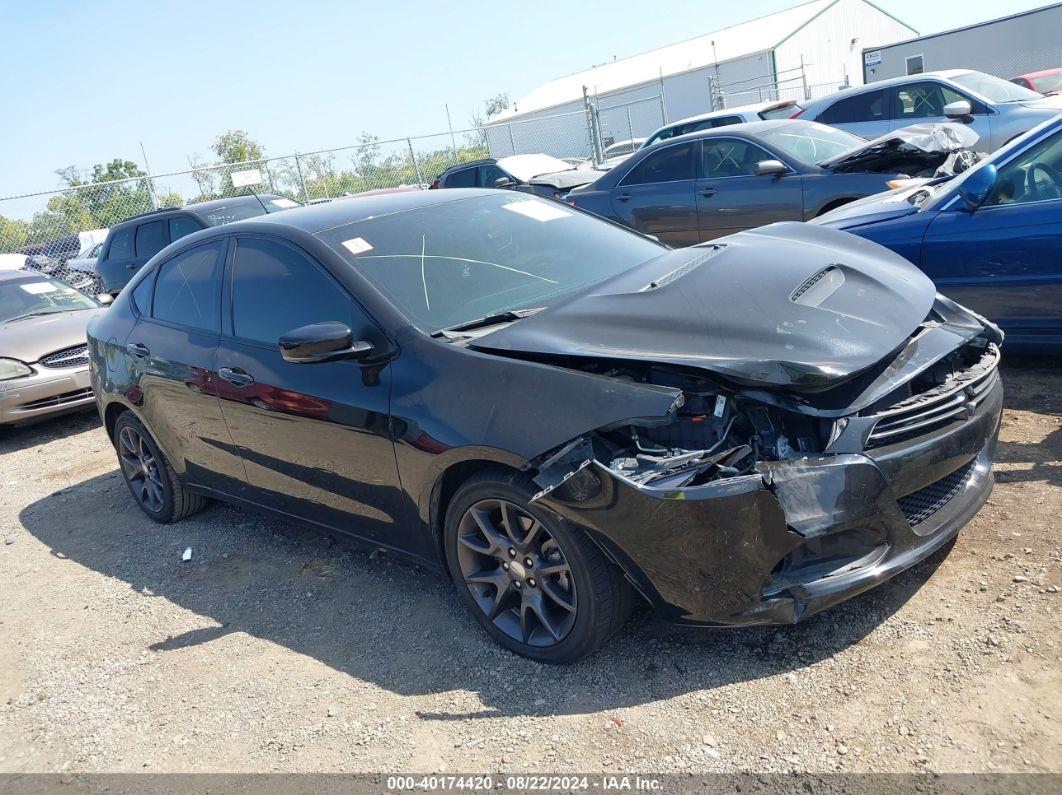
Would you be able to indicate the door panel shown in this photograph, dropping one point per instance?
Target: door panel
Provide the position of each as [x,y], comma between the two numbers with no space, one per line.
[1002,262]
[315,438]
[172,351]
[656,196]
[730,197]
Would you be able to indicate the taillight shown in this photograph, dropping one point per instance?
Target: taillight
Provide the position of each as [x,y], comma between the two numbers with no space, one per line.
[434,184]
[799,111]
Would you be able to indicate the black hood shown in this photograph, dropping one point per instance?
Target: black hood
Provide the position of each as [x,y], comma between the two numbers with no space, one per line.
[788,305]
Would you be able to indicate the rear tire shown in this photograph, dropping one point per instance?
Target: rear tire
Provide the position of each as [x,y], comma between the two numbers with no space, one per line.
[535,582]
[151,480]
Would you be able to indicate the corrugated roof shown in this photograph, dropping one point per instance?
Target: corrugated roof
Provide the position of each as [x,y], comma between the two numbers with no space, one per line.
[756,35]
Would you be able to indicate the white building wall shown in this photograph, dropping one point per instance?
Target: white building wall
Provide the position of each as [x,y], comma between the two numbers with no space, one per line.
[832,45]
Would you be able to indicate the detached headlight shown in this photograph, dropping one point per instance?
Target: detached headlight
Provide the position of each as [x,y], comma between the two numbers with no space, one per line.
[13,368]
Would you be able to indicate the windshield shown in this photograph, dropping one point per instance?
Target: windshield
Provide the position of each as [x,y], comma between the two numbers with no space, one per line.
[524,167]
[34,297]
[458,261]
[811,142]
[241,211]
[1048,83]
[993,88]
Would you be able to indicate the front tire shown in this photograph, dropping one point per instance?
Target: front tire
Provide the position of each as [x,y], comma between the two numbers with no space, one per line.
[151,480]
[535,582]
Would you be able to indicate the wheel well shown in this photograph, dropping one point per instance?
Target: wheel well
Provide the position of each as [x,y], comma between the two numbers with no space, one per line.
[834,205]
[445,488]
[110,418]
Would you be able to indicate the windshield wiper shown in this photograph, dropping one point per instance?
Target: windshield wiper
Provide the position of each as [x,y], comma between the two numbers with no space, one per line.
[505,316]
[34,314]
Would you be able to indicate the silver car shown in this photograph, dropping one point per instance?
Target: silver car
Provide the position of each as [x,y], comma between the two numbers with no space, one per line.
[998,110]
[43,352]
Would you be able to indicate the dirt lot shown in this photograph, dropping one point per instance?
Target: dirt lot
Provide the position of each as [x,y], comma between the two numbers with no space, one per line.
[277,649]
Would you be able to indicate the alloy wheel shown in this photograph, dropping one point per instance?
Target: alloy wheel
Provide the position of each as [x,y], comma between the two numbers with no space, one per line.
[141,470]
[516,572]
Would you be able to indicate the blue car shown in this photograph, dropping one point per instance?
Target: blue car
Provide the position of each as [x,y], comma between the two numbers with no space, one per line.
[990,238]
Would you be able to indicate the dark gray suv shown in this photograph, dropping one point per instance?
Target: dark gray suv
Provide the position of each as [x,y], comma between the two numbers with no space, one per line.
[136,240]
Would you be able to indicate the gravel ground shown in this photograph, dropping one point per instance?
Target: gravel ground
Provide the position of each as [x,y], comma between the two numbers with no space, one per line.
[278,649]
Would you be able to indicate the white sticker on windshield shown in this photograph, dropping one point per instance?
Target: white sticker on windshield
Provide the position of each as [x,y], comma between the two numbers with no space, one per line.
[357,245]
[284,203]
[39,288]
[540,211]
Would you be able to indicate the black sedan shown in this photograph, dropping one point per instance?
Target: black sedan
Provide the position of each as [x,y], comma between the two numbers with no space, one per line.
[700,186]
[562,414]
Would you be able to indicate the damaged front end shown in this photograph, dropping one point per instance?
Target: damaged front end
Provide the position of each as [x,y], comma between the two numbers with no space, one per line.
[929,150]
[745,506]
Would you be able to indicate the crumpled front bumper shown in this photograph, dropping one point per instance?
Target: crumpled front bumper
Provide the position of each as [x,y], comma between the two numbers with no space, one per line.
[796,537]
[45,393]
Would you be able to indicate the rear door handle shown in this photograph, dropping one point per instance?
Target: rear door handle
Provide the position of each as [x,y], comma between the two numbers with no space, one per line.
[133,266]
[137,349]
[623,197]
[236,376]
[706,192]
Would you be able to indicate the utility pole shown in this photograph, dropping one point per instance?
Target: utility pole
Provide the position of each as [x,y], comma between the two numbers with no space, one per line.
[150,181]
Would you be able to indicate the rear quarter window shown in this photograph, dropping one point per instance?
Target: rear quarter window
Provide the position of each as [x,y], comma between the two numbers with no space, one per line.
[121,246]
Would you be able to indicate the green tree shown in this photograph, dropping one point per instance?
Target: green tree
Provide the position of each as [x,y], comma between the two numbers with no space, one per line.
[236,146]
[14,234]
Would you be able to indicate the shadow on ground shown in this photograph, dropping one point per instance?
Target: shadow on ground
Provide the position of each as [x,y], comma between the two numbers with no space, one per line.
[401,627]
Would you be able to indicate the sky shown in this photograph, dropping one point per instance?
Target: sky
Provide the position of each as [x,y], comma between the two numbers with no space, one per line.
[86,82]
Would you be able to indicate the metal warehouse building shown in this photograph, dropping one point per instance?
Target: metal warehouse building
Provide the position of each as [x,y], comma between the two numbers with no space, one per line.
[805,51]
[1006,47]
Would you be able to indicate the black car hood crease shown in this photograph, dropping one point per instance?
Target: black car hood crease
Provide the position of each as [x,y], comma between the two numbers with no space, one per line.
[787,305]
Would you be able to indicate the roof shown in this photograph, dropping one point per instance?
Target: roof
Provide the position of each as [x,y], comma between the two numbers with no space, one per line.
[201,207]
[1043,72]
[320,217]
[738,110]
[746,38]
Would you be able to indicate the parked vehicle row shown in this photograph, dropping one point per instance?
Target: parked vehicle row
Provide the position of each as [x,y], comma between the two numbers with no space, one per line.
[540,174]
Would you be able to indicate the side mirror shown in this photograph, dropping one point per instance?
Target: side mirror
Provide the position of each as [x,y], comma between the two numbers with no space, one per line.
[770,168]
[959,109]
[504,182]
[322,342]
[103,299]
[977,186]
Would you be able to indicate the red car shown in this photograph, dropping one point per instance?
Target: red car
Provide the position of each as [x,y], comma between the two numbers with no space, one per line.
[1049,81]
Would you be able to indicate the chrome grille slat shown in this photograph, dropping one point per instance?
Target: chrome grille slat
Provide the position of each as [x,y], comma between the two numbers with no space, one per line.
[927,411]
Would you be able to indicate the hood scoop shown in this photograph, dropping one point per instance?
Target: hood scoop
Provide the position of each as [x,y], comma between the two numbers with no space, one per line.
[789,305]
[819,287]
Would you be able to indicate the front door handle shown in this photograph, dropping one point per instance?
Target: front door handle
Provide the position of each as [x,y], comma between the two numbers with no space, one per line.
[133,266]
[137,349]
[706,192]
[236,376]
[623,197]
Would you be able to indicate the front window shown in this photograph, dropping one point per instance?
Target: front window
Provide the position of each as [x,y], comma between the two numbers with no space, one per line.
[1048,83]
[33,297]
[1033,176]
[810,142]
[458,261]
[994,89]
